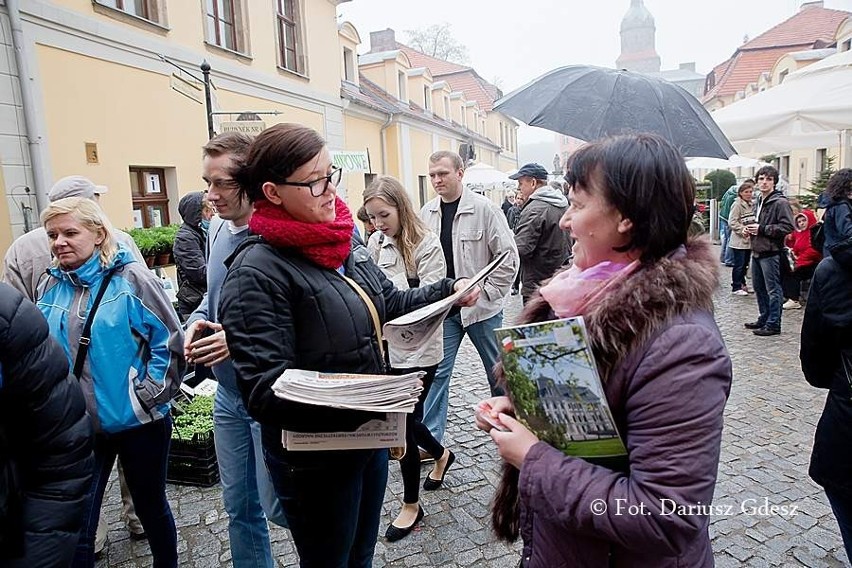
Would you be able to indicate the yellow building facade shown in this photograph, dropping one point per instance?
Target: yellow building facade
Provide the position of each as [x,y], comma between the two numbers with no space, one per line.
[115,92]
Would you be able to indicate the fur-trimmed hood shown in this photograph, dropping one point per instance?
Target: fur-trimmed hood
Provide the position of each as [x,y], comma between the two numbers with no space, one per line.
[626,318]
[664,366]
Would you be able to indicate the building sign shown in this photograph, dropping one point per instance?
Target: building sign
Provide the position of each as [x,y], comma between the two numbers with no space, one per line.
[188,87]
[351,161]
[251,127]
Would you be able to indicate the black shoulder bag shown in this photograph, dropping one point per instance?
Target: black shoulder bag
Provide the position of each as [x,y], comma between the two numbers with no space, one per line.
[86,335]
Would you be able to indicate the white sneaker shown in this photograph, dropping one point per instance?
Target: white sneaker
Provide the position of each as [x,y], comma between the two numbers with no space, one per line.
[792,305]
[740,292]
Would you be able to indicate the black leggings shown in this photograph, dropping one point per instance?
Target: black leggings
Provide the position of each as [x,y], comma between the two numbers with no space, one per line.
[416,434]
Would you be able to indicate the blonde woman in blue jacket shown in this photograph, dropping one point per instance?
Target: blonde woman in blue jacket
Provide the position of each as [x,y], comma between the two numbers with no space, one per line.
[132,369]
[410,255]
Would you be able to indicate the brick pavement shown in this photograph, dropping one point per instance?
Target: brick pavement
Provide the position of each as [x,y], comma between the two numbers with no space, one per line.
[769,424]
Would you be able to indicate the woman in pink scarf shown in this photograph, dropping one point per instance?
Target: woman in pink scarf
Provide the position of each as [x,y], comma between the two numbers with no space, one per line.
[646,295]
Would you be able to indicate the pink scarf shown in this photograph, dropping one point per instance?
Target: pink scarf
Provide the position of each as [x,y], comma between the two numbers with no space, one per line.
[573,292]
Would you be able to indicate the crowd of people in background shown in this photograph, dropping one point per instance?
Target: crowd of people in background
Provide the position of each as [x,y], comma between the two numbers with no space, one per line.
[273,274]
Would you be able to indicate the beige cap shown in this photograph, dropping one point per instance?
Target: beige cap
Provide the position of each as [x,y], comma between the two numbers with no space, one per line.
[73,186]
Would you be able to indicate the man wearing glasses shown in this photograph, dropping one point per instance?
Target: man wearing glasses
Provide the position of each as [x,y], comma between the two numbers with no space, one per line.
[473,232]
[247,490]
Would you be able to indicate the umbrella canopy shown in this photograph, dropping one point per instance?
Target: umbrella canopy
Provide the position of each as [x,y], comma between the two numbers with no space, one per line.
[483,174]
[809,109]
[592,102]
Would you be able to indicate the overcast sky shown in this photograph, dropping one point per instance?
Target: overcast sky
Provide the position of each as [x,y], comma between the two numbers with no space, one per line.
[511,43]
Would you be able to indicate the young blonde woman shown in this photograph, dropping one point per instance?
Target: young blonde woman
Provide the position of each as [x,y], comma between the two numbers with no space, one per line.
[410,255]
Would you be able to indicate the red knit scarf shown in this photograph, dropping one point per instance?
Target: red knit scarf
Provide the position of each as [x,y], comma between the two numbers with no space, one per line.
[326,244]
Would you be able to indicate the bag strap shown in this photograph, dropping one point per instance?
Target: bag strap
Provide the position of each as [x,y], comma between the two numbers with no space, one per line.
[86,335]
[371,307]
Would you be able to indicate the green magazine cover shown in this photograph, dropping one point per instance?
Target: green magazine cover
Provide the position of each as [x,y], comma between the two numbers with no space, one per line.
[558,395]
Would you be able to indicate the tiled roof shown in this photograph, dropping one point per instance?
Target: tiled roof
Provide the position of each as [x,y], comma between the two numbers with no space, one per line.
[743,68]
[460,77]
[373,96]
[435,65]
[808,28]
[473,87]
[805,27]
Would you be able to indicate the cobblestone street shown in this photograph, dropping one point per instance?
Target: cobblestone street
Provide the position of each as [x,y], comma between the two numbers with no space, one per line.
[770,419]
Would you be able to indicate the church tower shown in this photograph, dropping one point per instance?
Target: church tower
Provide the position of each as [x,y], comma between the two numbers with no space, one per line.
[638,51]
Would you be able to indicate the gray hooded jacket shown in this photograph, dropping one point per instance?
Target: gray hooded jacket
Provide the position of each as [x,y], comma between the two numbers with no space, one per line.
[542,245]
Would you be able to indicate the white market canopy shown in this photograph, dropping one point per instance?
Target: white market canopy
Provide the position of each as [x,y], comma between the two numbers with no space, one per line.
[483,175]
[735,161]
[811,108]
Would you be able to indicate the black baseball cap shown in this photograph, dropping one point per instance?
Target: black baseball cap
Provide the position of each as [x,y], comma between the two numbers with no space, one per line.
[535,171]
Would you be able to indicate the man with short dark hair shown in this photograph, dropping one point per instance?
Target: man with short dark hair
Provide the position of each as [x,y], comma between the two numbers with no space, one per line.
[542,245]
[774,222]
[247,489]
[473,231]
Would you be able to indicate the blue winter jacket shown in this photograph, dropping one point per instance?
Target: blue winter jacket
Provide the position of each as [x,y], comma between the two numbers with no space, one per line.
[135,361]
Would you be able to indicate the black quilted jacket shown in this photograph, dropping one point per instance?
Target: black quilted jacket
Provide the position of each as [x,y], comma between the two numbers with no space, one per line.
[46,438]
[282,311]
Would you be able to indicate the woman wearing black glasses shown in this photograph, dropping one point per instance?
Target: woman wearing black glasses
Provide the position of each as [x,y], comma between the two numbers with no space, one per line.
[287,303]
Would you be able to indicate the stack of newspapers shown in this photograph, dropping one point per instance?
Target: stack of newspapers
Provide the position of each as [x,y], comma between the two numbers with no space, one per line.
[393,395]
[373,393]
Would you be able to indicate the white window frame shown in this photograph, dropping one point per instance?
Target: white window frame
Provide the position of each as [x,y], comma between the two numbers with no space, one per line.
[238,24]
[153,11]
[294,21]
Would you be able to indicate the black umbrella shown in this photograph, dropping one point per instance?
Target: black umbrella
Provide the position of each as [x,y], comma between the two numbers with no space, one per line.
[592,102]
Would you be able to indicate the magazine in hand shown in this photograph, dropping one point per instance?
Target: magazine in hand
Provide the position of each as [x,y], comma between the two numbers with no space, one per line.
[409,331]
[395,395]
[558,395]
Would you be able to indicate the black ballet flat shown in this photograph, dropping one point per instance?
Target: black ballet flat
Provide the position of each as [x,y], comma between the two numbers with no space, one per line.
[394,533]
[430,484]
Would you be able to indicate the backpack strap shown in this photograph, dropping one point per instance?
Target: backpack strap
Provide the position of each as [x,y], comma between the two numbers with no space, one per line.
[86,335]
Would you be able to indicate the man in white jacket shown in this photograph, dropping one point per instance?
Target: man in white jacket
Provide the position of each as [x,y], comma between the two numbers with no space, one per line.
[473,232]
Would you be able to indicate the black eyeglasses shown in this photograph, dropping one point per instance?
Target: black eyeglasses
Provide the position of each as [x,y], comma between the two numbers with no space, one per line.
[320,184]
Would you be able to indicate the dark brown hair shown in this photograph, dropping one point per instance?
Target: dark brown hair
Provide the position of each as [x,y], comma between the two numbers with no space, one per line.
[768,171]
[840,185]
[274,155]
[645,178]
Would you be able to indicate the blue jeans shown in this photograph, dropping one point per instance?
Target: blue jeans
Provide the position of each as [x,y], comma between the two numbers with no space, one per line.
[727,255]
[738,274]
[766,279]
[247,490]
[482,336]
[841,505]
[144,453]
[333,502]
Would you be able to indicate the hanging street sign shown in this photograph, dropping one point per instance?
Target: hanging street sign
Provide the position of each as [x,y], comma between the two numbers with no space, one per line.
[187,87]
[252,127]
[351,161]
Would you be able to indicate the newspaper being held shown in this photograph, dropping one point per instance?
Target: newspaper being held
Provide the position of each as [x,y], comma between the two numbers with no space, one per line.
[373,393]
[387,433]
[409,331]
